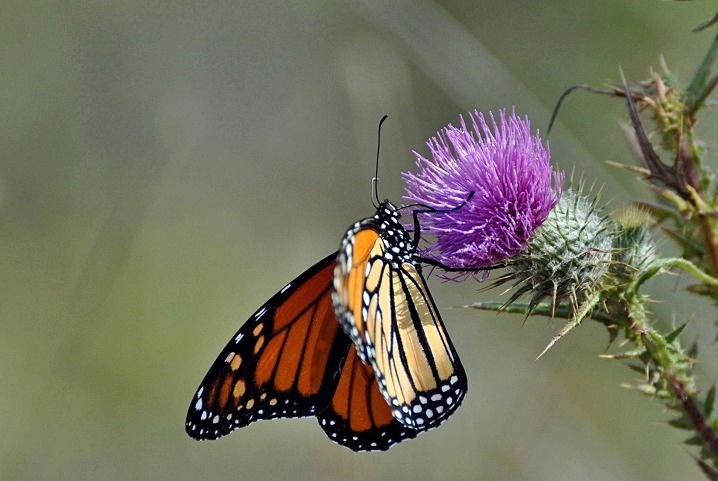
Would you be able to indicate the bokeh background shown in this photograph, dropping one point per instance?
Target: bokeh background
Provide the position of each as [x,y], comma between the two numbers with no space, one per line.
[165,167]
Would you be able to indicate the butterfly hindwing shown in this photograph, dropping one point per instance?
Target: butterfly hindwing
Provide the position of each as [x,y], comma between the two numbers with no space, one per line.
[284,361]
[358,417]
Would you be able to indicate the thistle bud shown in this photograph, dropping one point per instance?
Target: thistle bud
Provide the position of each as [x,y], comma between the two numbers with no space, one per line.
[634,249]
[567,257]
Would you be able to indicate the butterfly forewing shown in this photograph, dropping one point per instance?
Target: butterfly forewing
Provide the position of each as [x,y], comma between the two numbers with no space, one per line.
[383,303]
[284,361]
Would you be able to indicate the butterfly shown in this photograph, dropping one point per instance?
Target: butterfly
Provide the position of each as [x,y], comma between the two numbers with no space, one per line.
[356,340]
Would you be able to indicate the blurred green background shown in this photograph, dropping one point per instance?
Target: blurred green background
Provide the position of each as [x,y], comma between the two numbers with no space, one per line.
[167,166]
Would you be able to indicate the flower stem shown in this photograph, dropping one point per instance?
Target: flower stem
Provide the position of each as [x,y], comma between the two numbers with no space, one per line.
[704,430]
[677,262]
[667,359]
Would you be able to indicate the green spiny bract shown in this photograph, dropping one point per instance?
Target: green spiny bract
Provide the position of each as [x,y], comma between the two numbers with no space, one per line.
[567,257]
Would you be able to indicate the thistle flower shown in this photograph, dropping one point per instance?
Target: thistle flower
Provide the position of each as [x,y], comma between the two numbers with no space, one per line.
[513,186]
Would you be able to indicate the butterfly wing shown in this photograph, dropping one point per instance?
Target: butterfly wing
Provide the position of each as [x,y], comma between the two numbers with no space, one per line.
[358,417]
[285,361]
[384,305]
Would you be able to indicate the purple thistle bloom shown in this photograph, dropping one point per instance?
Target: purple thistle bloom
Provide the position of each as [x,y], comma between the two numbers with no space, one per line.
[513,184]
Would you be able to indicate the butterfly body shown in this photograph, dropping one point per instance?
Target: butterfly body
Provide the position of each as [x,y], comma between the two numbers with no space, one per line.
[355,340]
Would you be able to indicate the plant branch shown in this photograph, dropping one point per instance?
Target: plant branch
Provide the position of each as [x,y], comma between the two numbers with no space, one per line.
[694,413]
[676,262]
[668,360]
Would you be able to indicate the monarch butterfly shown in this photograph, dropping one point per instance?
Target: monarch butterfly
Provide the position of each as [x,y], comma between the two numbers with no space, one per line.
[356,340]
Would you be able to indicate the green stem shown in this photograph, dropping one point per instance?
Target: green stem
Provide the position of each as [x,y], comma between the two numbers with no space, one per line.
[661,353]
[694,413]
[562,311]
[677,262]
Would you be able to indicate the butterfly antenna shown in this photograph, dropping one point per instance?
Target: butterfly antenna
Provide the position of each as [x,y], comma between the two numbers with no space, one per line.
[375,194]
